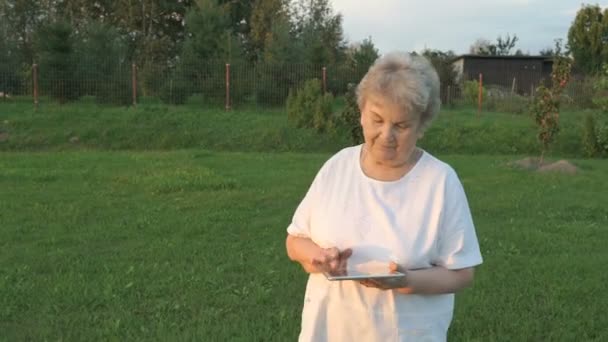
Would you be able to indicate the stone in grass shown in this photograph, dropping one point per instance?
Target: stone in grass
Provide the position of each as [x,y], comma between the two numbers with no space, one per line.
[3,136]
[75,139]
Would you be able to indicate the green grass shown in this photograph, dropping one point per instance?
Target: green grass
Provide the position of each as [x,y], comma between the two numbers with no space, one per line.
[189,245]
[150,126]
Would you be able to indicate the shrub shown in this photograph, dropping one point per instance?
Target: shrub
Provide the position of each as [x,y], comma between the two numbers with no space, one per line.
[309,107]
[600,87]
[470,91]
[349,118]
[595,137]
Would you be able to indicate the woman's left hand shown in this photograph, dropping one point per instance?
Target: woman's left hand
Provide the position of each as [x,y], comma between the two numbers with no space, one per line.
[389,284]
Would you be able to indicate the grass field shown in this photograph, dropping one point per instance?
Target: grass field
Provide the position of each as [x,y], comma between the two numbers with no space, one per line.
[189,245]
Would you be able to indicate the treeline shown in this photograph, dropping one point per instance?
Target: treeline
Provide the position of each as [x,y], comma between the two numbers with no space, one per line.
[177,45]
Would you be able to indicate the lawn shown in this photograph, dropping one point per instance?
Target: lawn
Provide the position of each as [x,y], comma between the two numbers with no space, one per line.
[189,245]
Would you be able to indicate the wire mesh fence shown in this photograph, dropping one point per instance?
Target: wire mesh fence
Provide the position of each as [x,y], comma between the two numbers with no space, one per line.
[222,85]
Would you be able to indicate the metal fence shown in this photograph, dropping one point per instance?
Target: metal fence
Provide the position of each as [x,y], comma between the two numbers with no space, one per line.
[219,84]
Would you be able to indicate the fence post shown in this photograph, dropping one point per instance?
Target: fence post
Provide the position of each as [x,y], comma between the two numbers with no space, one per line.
[480,95]
[35,79]
[513,87]
[134,83]
[324,80]
[227,86]
[532,89]
[448,96]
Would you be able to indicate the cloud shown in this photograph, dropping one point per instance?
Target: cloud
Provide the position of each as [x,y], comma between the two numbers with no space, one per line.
[455,25]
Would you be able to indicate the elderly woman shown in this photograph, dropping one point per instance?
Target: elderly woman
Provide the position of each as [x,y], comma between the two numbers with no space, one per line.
[386,202]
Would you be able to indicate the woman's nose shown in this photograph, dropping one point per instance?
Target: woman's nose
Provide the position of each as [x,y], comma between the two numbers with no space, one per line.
[388,133]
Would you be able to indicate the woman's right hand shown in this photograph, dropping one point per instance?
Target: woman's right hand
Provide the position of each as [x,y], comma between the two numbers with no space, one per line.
[331,260]
[315,259]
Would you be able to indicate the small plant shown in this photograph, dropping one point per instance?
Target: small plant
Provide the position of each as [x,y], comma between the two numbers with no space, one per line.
[546,102]
[309,107]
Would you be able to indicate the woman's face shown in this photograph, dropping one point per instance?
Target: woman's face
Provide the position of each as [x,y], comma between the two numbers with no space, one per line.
[389,132]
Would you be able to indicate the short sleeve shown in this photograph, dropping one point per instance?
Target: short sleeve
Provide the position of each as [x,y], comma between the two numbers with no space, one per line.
[458,246]
[300,224]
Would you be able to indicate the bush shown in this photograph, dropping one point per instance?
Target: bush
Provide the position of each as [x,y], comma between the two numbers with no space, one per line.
[595,136]
[600,87]
[470,91]
[310,108]
[349,119]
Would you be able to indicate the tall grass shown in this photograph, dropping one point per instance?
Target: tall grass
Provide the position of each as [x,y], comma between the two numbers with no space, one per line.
[152,126]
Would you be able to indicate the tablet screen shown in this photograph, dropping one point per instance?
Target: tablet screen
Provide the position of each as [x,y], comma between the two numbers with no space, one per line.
[360,275]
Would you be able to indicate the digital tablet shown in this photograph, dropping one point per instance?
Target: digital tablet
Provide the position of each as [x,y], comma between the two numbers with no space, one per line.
[360,275]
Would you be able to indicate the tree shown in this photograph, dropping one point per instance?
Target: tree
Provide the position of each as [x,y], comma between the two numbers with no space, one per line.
[588,38]
[207,41]
[502,47]
[482,47]
[363,55]
[55,46]
[546,52]
[263,15]
[442,61]
[21,20]
[546,103]
[103,61]
[320,31]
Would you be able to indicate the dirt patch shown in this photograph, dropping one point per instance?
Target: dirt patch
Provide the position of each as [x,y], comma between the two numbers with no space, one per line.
[3,136]
[533,164]
[562,166]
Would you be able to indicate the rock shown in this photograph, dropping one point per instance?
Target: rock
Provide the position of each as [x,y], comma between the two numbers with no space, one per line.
[74,139]
[3,136]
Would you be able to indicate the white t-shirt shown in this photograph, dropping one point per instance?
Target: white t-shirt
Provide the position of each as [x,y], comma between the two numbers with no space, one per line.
[420,220]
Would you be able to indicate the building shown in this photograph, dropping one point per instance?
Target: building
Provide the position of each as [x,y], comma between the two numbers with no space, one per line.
[517,73]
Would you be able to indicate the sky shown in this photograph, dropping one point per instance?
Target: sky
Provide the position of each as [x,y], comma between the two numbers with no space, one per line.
[413,25]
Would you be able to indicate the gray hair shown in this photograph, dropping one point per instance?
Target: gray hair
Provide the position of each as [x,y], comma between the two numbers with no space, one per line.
[409,81]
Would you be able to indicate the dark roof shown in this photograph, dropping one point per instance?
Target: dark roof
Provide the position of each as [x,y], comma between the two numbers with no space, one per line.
[547,58]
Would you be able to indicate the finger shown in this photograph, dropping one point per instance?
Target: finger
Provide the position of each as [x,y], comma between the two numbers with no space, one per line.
[345,254]
[342,264]
[332,253]
[393,267]
[378,284]
[365,283]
